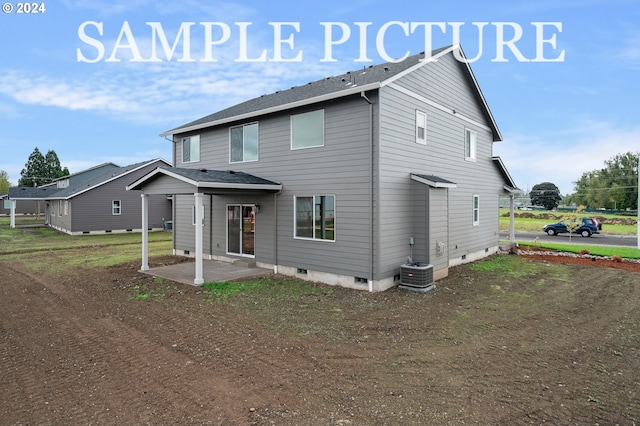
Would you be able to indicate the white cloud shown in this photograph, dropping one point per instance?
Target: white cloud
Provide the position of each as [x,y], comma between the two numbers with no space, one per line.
[49,91]
[562,157]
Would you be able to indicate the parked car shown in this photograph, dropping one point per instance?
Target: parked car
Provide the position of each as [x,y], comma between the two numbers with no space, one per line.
[589,226]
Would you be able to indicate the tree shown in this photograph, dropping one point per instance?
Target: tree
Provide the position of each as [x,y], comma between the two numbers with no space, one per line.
[545,194]
[40,170]
[4,182]
[615,186]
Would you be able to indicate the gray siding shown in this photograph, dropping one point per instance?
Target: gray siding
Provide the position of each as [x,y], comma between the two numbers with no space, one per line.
[369,178]
[91,211]
[341,168]
[442,156]
[23,207]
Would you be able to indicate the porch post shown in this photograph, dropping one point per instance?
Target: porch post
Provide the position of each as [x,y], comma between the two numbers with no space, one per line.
[145,232]
[12,207]
[199,225]
[512,230]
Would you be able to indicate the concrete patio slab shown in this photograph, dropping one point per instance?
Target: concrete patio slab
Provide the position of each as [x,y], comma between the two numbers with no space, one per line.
[213,270]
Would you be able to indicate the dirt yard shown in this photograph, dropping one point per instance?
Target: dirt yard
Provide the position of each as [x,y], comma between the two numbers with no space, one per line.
[508,341]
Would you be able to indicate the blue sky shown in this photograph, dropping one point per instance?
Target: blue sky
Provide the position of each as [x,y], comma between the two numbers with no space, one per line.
[559,117]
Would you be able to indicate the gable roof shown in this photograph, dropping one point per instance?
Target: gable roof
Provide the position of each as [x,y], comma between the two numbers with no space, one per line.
[81,182]
[351,82]
[203,178]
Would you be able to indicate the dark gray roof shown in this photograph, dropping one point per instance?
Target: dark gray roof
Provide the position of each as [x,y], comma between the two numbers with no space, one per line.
[220,176]
[344,82]
[79,182]
[209,180]
[434,181]
[28,192]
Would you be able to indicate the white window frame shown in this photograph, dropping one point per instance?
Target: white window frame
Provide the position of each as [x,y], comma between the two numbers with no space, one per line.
[114,207]
[194,149]
[243,143]
[66,207]
[59,208]
[475,210]
[292,126]
[295,218]
[470,144]
[421,123]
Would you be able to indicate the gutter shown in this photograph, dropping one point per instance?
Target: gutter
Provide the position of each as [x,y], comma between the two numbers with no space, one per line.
[333,95]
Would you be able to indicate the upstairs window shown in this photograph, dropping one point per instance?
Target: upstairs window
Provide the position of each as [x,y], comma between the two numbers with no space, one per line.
[469,145]
[315,217]
[116,207]
[421,127]
[243,143]
[191,149]
[307,130]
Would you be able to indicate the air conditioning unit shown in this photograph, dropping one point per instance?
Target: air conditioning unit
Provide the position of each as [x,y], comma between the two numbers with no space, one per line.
[416,276]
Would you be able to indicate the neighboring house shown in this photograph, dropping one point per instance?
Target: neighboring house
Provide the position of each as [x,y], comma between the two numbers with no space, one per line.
[330,181]
[96,200]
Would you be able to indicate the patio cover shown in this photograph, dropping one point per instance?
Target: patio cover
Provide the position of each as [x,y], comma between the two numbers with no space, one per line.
[197,182]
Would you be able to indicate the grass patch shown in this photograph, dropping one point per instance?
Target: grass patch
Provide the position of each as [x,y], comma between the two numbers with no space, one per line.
[595,250]
[258,289]
[45,250]
[512,266]
[147,292]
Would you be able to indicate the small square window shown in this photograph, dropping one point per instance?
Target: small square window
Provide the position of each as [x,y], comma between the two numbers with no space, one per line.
[307,129]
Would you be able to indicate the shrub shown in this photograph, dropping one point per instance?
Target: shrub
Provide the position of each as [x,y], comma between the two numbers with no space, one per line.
[584,251]
[616,258]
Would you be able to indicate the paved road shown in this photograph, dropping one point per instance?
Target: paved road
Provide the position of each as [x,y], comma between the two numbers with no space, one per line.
[600,239]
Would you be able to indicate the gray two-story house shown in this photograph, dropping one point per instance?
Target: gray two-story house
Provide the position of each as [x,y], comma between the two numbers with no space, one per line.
[342,179]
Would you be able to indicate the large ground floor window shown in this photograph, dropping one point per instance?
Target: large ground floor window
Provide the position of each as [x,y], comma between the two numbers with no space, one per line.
[315,217]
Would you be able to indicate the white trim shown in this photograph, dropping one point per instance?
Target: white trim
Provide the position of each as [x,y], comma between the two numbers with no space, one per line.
[182,141]
[420,64]
[242,126]
[473,144]
[241,205]
[309,101]
[75,194]
[291,129]
[295,218]
[113,212]
[352,90]
[476,221]
[442,108]
[198,184]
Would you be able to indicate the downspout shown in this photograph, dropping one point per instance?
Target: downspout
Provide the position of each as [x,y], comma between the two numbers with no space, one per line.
[275,231]
[371,190]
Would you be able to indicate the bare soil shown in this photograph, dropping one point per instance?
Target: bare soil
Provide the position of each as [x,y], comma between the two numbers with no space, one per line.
[546,343]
